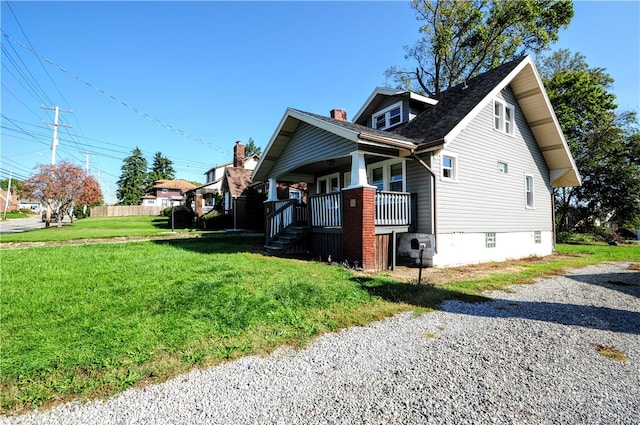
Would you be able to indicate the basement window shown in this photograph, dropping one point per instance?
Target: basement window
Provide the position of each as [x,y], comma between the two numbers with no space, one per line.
[490,240]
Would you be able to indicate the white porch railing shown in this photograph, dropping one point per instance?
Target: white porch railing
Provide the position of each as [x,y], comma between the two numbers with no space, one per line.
[326,210]
[393,209]
[281,218]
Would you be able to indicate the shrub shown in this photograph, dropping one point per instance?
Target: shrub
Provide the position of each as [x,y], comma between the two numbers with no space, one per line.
[216,221]
[182,216]
[574,238]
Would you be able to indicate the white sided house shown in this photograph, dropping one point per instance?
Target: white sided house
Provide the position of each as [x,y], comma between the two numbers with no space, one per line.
[466,178]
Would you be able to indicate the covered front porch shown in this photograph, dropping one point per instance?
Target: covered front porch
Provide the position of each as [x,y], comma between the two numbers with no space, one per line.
[358,196]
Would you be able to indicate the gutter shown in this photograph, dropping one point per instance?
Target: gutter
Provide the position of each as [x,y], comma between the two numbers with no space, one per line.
[434,218]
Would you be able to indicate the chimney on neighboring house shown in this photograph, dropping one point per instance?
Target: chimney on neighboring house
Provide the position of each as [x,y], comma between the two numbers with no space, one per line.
[339,114]
[238,155]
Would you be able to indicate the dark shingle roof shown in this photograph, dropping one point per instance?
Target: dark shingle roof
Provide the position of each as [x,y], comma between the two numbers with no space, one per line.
[454,105]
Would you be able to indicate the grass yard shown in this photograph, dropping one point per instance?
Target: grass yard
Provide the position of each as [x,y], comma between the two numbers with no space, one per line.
[96,228]
[91,320]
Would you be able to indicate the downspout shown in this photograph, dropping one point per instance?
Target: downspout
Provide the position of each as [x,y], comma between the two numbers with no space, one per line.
[434,217]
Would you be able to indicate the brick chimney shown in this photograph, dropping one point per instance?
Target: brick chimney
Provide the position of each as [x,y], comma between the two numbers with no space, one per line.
[339,114]
[238,155]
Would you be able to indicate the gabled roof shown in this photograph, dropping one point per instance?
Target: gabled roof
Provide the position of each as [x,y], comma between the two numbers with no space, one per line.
[378,95]
[460,104]
[237,180]
[347,130]
[182,185]
[443,120]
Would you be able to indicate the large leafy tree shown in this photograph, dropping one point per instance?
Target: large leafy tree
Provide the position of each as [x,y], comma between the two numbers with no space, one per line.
[62,186]
[133,180]
[604,143]
[461,39]
[161,168]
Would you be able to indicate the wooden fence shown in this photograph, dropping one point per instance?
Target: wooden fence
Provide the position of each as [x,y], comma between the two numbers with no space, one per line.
[125,210]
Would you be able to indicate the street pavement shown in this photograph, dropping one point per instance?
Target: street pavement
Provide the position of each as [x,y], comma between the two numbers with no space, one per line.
[21,225]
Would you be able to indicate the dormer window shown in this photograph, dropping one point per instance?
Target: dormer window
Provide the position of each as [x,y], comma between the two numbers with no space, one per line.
[388,117]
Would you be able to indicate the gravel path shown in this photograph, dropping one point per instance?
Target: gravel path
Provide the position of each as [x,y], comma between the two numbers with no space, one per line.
[527,357]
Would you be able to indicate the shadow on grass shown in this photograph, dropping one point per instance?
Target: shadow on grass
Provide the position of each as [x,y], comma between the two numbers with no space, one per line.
[425,296]
[218,243]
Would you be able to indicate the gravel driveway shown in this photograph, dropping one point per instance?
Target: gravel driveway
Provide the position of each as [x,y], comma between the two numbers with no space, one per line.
[527,357]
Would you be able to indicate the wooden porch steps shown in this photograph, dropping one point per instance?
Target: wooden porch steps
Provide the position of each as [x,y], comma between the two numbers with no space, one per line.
[286,240]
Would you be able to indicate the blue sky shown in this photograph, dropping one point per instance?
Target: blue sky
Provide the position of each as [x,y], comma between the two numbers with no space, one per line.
[189,79]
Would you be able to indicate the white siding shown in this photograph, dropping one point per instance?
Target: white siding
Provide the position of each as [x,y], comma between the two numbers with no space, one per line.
[419,182]
[484,200]
[457,249]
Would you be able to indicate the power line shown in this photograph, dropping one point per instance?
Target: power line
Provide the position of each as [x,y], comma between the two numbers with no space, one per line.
[117,99]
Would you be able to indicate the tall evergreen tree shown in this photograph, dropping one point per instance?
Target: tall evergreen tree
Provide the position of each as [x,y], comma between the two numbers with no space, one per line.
[132,181]
[461,39]
[161,169]
[251,148]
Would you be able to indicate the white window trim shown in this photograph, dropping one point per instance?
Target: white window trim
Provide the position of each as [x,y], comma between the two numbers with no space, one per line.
[385,112]
[328,178]
[533,192]
[386,173]
[346,180]
[456,165]
[506,167]
[504,106]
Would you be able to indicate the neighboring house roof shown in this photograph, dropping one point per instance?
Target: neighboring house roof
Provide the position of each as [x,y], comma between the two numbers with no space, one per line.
[237,180]
[229,164]
[183,185]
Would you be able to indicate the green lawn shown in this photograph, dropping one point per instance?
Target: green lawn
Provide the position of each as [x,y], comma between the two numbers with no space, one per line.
[14,214]
[92,320]
[96,228]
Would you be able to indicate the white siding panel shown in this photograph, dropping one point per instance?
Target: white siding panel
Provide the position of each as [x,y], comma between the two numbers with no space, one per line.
[484,200]
[309,144]
[419,182]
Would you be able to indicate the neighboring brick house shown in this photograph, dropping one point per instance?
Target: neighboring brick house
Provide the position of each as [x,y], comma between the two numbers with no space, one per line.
[13,205]
[168,193]
[466,178]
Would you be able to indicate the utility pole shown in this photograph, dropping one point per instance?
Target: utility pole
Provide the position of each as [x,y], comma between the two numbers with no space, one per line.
[55,125]
[6,203]
[54,145]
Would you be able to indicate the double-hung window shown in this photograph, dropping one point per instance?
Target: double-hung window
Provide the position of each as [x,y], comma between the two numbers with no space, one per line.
[449,166]
[328,184]
[388,175]
[388,117]
[503,116]
[529,192]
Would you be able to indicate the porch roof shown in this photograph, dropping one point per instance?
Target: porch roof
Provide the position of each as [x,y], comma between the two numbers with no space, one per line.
[360,135]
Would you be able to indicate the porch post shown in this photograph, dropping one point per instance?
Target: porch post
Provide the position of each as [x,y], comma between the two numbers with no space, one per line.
[273,190]
[358,170]
[358,226]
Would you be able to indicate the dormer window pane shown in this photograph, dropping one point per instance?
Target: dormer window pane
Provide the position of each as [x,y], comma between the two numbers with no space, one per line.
[381,122]
[394,116]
